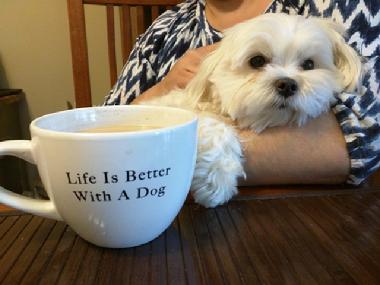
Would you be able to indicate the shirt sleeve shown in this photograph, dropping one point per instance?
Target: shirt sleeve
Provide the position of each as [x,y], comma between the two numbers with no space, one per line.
[137,75]
[141,70]
[358,115]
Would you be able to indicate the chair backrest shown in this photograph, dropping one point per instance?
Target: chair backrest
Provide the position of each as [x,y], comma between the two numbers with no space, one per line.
[145,12]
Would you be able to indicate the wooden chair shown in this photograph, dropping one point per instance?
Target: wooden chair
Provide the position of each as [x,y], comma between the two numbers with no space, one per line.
[146,11]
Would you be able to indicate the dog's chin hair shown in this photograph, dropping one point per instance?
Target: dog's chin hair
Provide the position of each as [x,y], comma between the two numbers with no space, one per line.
[294,112]
[268,118]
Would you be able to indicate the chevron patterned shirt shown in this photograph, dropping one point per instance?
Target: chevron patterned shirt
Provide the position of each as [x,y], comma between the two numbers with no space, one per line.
[185,27]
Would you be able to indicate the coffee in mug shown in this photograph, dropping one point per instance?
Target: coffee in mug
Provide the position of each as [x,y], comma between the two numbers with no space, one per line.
[119,128]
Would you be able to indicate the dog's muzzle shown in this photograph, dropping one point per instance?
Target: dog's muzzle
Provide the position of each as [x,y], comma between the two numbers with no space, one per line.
[286,87]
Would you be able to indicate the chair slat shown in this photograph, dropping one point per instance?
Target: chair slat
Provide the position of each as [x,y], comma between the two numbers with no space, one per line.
[140,20]
[111,43]
[79,53]
[133,2]
[155,12]
[126,32]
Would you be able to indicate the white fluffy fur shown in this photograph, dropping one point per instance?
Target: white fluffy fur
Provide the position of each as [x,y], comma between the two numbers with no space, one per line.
[228,92]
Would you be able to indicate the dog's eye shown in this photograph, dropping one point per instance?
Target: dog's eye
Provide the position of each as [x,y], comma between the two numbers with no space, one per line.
[308,64]
[257,61]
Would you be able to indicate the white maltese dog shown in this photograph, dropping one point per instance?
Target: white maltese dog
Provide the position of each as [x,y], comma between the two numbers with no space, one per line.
[270,71]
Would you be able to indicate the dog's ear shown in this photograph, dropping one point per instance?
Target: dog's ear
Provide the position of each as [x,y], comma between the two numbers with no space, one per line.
[346,58]
[198,87]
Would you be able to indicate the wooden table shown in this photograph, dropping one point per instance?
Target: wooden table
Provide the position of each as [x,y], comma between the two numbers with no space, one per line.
[302,237]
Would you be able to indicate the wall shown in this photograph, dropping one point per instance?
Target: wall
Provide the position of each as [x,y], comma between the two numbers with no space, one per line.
[35,53]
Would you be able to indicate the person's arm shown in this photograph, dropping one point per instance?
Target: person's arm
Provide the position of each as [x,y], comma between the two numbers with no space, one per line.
[180,75]
[315,153]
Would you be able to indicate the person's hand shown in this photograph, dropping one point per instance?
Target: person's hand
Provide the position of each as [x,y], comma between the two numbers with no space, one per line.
[180,75]
[185,68]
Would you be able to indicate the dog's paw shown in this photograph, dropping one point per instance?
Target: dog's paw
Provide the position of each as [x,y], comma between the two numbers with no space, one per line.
[210,199]
[219,163]
[215,184]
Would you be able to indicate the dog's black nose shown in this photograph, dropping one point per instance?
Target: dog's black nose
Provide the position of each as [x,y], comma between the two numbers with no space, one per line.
[286,87]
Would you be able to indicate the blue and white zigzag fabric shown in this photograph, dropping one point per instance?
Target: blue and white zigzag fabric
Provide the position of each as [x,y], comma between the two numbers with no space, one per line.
[185,27]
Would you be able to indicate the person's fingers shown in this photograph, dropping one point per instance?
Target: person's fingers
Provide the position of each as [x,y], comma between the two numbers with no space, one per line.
[205,50]
[185,79]
[192,68]
[188,75]
[194,59]
[187,66]
[199,53]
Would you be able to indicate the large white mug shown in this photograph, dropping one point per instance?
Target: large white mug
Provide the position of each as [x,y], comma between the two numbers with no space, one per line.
[115,189]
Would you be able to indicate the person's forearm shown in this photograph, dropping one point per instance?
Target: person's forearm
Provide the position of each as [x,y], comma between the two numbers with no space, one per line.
[315,153]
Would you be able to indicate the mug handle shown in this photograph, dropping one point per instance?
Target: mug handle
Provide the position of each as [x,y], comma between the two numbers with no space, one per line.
[44,208]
